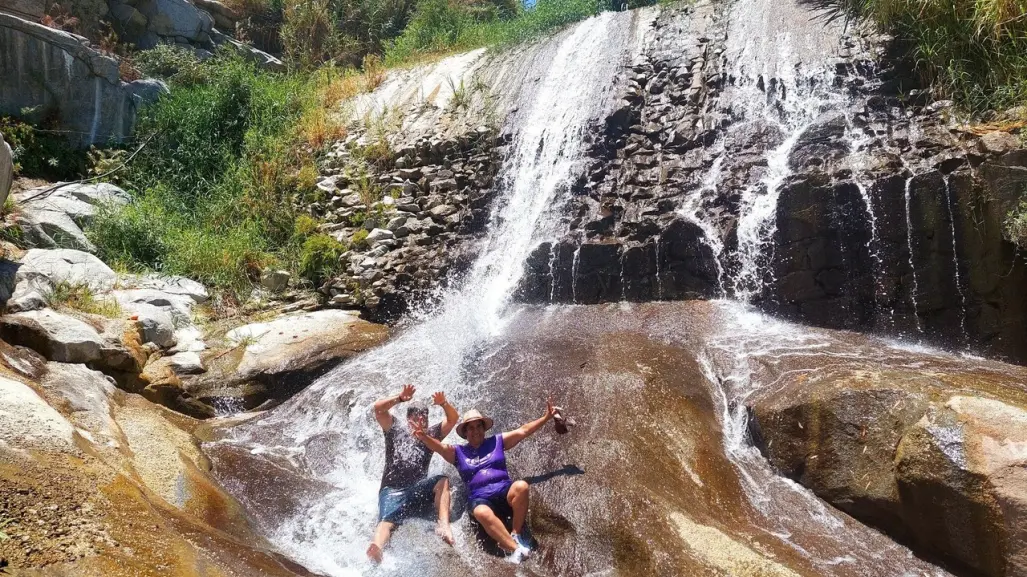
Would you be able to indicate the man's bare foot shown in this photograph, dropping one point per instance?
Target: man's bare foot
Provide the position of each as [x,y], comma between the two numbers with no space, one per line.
[374,553]
[442,530]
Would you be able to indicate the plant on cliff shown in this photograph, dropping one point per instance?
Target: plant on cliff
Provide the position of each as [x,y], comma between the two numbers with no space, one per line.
[1015,225]
[974,51]
[319,259]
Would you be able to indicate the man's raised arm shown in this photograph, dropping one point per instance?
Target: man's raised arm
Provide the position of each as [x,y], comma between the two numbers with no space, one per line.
[452,417]
[512,438]
[446,451]
[382,406]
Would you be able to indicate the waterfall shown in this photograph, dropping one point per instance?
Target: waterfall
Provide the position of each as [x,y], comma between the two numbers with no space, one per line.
[909,243]
[781,83]
[693,211]
[330,534]
[950,203]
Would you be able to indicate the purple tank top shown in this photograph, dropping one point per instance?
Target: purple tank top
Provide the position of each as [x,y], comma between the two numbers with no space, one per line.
[483,469]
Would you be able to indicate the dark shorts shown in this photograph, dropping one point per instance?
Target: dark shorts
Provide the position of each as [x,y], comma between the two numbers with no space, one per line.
[496,501]
[417,500]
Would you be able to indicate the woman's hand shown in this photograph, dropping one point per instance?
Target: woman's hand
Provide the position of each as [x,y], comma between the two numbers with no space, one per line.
[551,410]
[418,431]
[407,393]
[438,398]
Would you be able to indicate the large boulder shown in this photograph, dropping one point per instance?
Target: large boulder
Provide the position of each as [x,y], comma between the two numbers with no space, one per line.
[90,101]
[85,466]
[107,345]
[54,216]
[41,270]
[276,359]
[914,454]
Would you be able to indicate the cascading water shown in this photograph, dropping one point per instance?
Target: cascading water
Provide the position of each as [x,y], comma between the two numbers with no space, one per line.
[912,265]
[330,534]
[779,81]
[327,443]
[949,202]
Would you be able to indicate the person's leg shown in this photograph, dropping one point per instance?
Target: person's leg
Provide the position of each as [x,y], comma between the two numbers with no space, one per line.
[517,496]
[442,507]
[493,525]
[381,537]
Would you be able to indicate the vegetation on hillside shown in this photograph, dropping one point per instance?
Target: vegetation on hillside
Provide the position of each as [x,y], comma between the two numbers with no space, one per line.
[973,51]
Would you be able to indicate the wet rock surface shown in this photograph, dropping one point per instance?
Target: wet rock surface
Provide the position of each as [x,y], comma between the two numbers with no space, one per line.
[647,483]
[934,459]
[274,360]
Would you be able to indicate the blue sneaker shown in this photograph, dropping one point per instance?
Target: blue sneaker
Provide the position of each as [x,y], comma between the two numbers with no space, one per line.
[522,541]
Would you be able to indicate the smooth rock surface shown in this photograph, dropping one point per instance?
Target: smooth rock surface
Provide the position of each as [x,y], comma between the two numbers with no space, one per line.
[54,216]
[41,270]
[912,454]
[278,358]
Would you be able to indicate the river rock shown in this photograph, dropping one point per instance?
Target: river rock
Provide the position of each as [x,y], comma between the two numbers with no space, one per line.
[913,454]
[53,216]
[275,280]
[41,270]
[278,358]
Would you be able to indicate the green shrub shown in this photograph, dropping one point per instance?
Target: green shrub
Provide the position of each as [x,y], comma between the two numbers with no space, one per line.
[42,152]
[974,51]
[359,239]
[446,25]
[305,226]
[319,259]
[170,62]
[1015,225]
[216,182]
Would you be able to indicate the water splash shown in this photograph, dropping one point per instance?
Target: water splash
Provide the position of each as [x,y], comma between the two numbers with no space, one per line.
[329,534]
[912,267]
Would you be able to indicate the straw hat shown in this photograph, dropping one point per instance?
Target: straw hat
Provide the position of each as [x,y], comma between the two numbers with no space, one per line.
[470,417]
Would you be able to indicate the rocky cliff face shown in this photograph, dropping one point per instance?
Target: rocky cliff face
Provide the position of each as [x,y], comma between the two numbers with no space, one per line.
[810,189]
[51,72]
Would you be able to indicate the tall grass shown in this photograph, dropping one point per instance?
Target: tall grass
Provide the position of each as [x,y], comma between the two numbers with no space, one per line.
[216,183]
[974,51]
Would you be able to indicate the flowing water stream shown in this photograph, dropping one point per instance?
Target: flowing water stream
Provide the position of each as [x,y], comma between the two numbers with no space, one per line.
[661,477]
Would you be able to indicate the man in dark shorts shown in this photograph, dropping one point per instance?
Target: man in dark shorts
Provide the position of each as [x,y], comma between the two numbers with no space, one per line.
[406,489]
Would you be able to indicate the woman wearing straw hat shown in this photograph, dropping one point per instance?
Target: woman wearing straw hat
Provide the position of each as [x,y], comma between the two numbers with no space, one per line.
[482,465]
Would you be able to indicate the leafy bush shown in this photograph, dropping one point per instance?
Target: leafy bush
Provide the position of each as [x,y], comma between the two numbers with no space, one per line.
[1015,226]
[216,182]
[319,259]
[359,239]
[170,62]
[42,152]
[974,51]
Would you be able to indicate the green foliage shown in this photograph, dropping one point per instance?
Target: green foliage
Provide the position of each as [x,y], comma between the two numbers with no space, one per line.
[216,182]
[359,239]
[41,152]
[1015,225]
[319,259]
[974,51]
[80,297]
[170,62]
[305,226]
[445,25]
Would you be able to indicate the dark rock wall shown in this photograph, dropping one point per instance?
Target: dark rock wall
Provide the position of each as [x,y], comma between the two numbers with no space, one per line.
[844,251]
